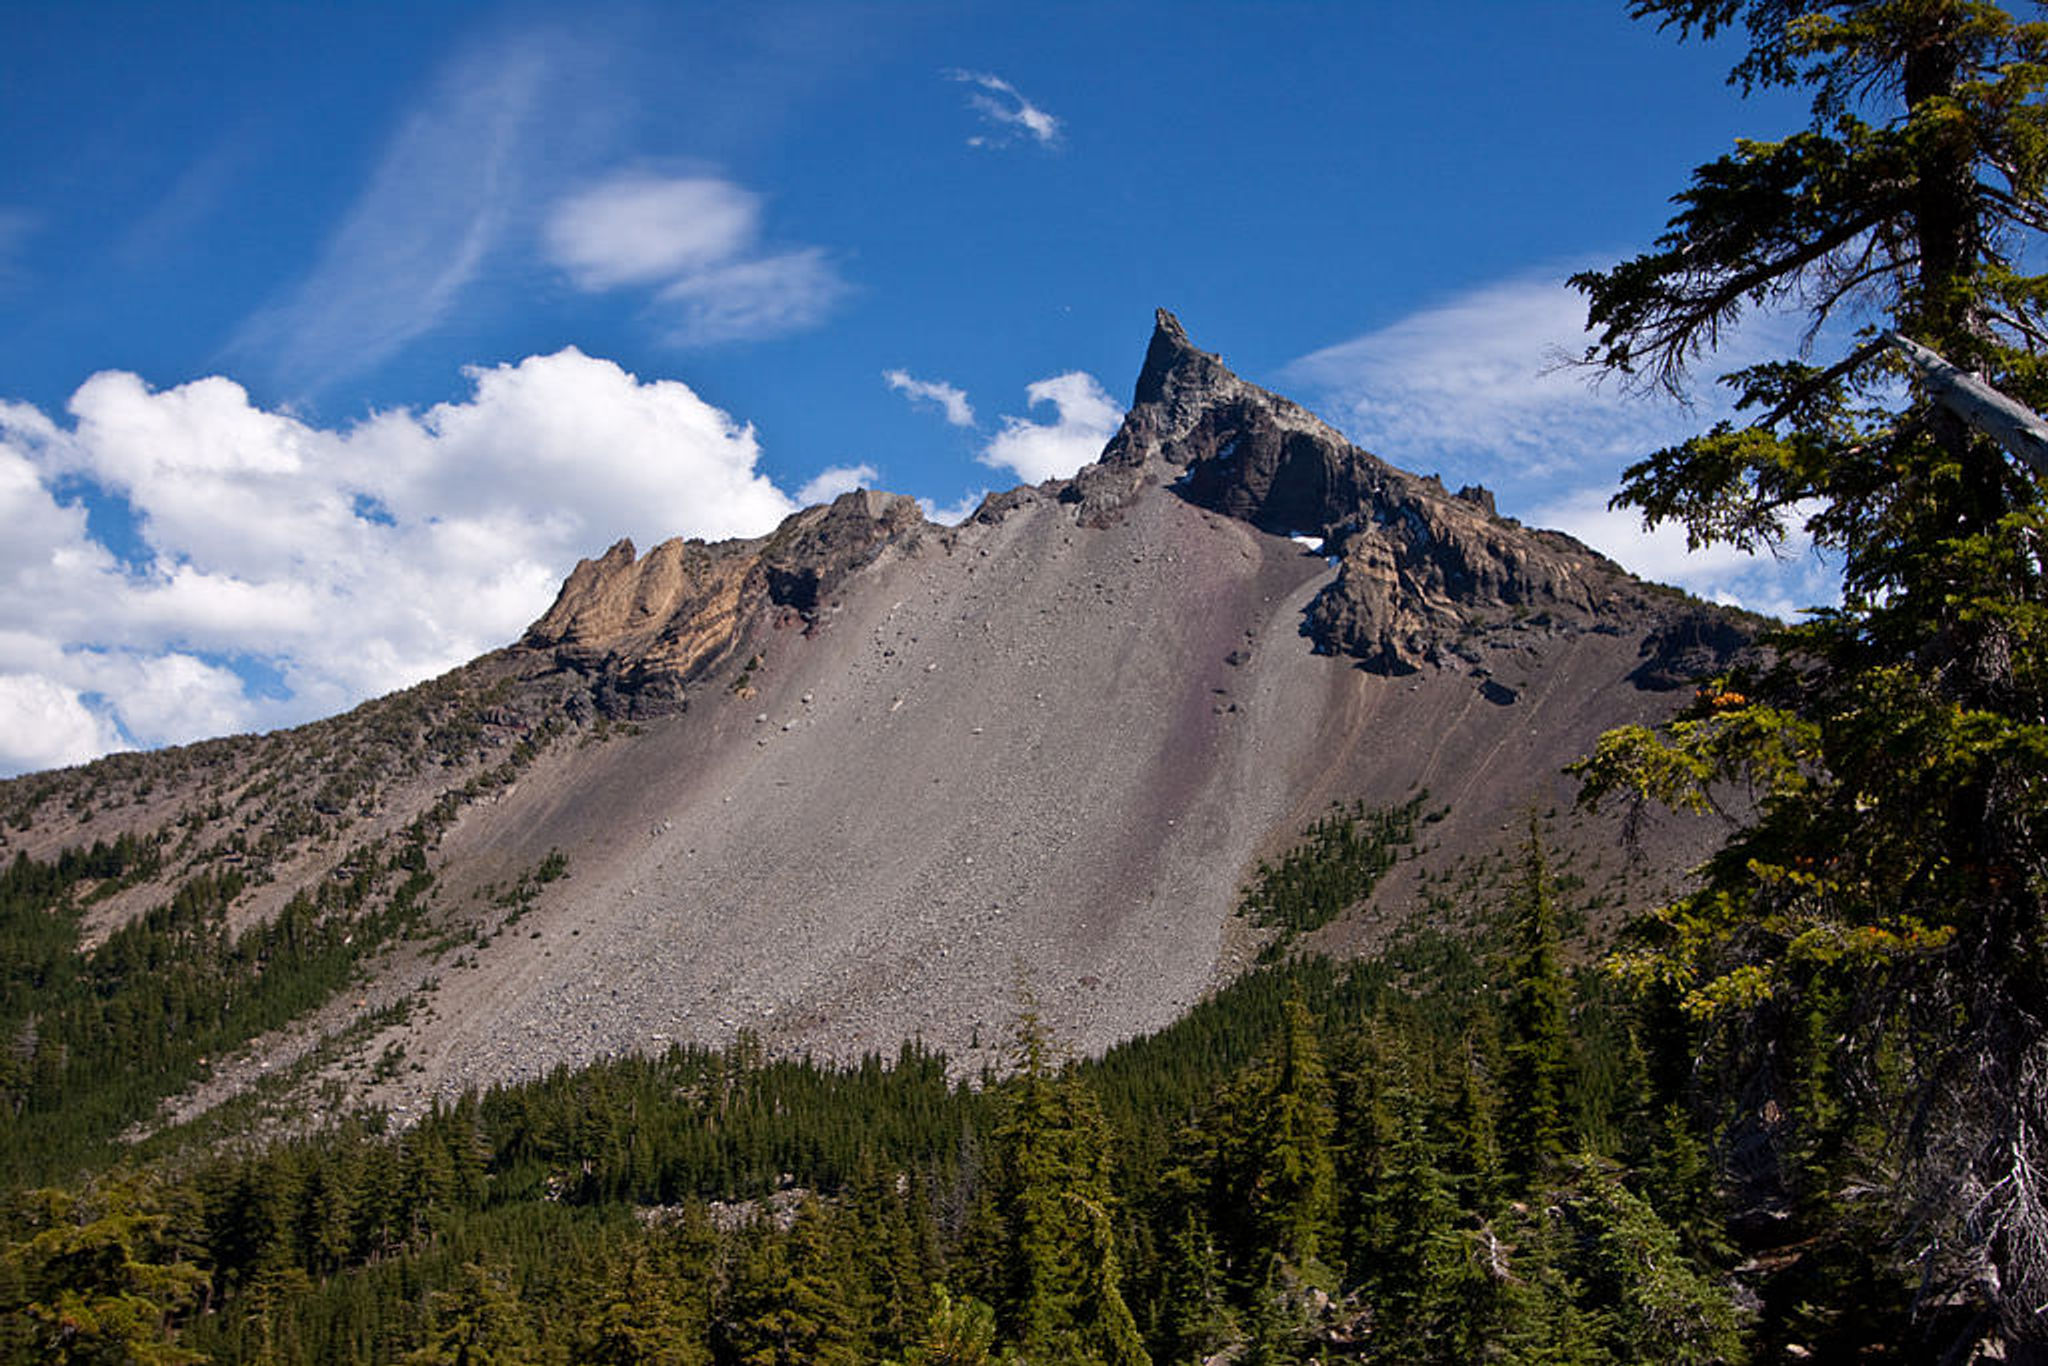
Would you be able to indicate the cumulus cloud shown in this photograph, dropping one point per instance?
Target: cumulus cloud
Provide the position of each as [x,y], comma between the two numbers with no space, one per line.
[1006,110]
[343,563]
[440,200]
[834,480]
[951,399]
[698,240]
[1088,417]
[46,725]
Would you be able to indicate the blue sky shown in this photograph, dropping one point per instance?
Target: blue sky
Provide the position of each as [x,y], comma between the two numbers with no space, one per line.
[332,336]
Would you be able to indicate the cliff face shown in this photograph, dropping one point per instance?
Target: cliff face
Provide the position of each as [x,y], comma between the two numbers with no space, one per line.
[1419,569]
[645,629]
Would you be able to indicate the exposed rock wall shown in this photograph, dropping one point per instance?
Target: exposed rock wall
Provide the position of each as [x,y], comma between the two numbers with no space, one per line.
[1419,569]
[649,627]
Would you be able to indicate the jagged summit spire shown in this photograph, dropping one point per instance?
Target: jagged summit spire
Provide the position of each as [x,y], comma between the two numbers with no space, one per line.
[1170,355]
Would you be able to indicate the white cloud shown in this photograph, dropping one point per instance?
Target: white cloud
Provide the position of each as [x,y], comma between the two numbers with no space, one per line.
[954,513]
[1795,578]
[46,725]
[1088,417]
[1006,109]
[698,239]
[1480,376]
[949,397]
[438,203]
[834,480]
[350,562]
[764,297]
[638,229]
[1474,388]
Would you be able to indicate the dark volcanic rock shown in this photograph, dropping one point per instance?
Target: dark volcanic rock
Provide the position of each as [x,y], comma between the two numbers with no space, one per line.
[1691,644]
[1419,568]
[811,554]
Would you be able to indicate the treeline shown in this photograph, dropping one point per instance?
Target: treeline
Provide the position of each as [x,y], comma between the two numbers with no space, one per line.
[1465,1149]
[1461,1151]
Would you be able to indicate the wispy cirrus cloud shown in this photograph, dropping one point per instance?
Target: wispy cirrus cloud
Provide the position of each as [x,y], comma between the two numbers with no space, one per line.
[951,399]
[438,203]
[16,226]
[1482,378]
[1005,109]
[698,238]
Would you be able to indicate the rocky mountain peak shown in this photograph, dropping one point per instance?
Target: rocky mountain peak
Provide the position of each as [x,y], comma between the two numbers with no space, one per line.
[1419,569]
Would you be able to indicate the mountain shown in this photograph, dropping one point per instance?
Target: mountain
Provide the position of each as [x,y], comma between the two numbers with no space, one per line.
[868,778]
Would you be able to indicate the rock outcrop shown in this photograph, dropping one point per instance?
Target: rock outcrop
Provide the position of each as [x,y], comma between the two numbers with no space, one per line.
[646,628]
[1419,569]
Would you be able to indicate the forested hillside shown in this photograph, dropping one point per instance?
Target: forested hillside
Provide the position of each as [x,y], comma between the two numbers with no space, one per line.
[1466,1145]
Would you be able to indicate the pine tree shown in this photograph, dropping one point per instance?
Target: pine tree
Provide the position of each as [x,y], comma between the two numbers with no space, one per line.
[478,1322]
[102,1275]
[958,1332]
[1653,1303]
[795,1297]
[1895,746]
[1062,1299]
[1280,1166]
[1536,1122]
[1475,1161]
[640,1311]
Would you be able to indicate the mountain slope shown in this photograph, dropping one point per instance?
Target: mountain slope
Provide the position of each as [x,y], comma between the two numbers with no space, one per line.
[868,778]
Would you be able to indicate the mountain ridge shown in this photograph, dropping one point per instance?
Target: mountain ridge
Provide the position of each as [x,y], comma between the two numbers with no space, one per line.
[867,778]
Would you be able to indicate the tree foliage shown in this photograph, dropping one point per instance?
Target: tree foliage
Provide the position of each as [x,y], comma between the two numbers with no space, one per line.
[1875,926]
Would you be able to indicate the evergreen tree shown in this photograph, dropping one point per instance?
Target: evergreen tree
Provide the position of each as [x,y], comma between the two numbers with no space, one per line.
[1279,1164]
[1195,1317]
[102,1276]
[479,1322]
[1062,1299]
[1654,1305]
[958,1333]
[1475,1158]
[1895,745]
[639,1310]
[1539,1061]
[795,1299]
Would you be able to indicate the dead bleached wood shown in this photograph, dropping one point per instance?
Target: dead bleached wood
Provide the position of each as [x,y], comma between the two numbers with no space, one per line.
[2011,424]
